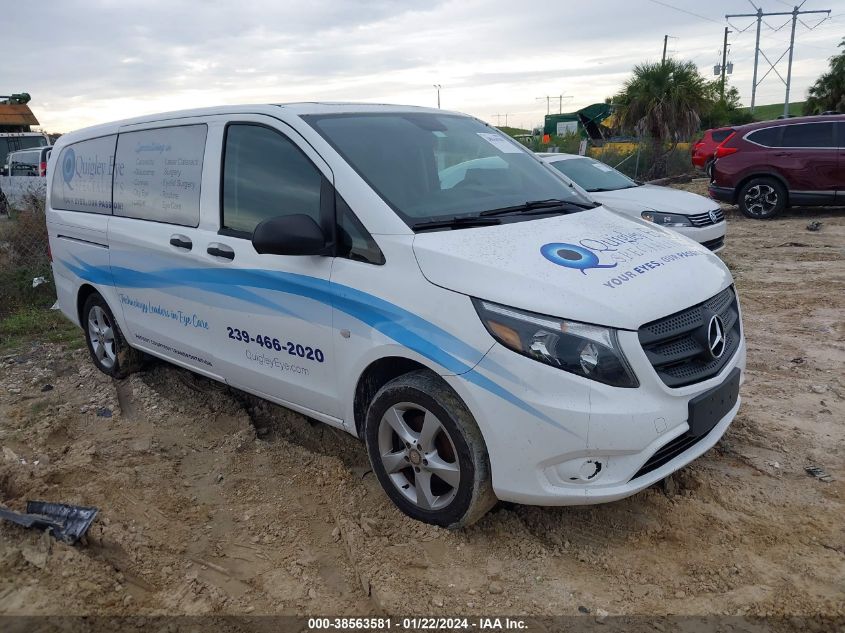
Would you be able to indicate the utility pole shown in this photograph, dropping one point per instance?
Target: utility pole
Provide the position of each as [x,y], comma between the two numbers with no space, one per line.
[724,61]
[665,42]
[438,86]
[559,98]
[499,118]
[756,57]
[548,103]
[759,15]
[789,63]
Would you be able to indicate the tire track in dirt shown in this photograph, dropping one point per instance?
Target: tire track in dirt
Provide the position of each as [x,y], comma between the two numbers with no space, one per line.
[214,502]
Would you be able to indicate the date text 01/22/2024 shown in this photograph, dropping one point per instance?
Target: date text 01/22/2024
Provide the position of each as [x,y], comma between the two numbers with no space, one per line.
[294,349]
[379,624]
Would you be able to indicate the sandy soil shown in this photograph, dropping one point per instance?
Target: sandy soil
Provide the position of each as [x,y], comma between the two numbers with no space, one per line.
[212,502]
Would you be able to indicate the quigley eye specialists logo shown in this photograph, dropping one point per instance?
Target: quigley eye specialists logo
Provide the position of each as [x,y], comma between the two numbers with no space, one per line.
[572,256]
[69,166]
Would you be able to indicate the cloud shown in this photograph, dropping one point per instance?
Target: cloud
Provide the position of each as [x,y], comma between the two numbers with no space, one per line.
[104,60]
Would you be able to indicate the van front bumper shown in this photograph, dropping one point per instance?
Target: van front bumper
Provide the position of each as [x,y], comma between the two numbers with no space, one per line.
[590,441]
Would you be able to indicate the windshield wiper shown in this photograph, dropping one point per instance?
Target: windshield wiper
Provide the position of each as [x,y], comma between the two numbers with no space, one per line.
[538,207]
[602,189]
[456,222]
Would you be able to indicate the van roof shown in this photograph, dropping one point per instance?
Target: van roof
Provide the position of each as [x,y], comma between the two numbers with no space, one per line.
[296,108]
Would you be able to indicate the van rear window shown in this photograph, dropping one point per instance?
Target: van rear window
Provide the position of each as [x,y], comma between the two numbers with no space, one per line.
[82,181]
[161,174]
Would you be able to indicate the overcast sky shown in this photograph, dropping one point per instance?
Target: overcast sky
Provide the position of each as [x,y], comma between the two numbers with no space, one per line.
[92,61]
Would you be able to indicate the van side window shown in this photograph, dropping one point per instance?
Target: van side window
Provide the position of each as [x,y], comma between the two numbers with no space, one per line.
[83,176]
[353,240]
[809,135]
[159,173]
[264,176]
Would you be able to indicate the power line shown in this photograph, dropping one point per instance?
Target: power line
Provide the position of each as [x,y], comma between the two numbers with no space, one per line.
[794,19]
[499,118]
[695,15]
[548,100]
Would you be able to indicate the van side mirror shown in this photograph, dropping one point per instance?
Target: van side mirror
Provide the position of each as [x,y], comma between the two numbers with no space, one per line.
[296,234]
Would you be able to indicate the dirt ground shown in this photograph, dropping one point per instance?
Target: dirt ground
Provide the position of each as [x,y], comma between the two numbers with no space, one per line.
[214,503]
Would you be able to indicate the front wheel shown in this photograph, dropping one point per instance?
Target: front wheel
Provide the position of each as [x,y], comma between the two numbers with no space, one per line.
[761,198]
[109,350]
[427,451]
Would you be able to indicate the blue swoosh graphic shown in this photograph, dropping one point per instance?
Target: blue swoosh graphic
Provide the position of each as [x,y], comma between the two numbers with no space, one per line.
[398,324]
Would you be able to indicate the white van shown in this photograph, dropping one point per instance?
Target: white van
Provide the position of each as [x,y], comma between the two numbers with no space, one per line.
[496,337]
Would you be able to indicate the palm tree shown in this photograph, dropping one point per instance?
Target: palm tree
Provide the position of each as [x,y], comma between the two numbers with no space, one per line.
[663,102]
[828,93]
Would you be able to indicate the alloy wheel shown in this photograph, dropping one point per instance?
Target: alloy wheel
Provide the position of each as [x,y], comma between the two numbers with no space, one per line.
[761,200]
[101,334]
[418,456]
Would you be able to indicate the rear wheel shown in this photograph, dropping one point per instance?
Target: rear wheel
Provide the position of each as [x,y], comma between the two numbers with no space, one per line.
[762,198]
[108,348]
[427,451]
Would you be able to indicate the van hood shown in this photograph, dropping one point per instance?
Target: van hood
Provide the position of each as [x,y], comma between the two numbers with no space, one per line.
[595,266]
[651,197]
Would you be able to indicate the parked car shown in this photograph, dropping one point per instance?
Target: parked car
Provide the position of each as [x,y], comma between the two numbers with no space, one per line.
[30,162]
[703,150]
[687,213]
[766,167]
[14,141]
[503,337]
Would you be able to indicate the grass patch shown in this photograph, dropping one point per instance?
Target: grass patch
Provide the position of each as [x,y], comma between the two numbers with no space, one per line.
[774,110]
[38,324]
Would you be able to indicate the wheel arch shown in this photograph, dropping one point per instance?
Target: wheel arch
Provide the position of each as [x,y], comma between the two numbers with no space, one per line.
[375,375]
[766,174]
[85,291]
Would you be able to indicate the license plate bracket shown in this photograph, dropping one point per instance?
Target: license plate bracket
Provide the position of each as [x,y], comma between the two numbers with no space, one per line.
[707,409]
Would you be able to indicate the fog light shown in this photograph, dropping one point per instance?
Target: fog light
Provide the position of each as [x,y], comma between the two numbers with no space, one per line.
[582,470]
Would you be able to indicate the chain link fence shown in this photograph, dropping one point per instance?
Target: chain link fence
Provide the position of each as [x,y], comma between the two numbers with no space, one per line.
[635,158]
[24,254]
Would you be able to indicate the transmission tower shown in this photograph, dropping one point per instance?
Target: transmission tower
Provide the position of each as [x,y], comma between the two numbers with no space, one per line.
[794,18]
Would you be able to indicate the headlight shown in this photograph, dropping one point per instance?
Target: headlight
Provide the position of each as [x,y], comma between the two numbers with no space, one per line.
[666,219]
[586,350]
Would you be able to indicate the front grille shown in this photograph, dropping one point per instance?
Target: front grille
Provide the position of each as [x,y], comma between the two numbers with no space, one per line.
[676,345]
[667,453]
[716,244]
[703,219]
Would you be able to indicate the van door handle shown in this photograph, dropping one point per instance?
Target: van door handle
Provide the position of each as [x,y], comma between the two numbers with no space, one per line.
[216,249]
[181,241]
[783,153]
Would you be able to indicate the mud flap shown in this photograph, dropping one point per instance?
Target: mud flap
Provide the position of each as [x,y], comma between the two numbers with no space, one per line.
[67,523]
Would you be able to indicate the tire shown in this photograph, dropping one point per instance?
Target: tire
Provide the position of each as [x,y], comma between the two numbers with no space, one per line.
[439,437]
[109,350]
[708,169]
[761,198]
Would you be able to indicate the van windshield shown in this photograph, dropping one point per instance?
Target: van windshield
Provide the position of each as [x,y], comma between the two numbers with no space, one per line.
[431,167]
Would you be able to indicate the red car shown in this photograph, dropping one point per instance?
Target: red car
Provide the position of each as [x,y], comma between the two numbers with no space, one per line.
[766,167]
[703,149]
